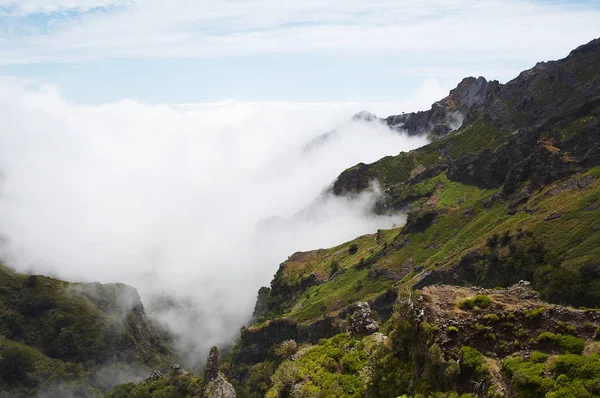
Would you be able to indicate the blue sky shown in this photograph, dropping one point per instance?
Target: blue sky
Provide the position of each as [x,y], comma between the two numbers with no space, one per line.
[99,51]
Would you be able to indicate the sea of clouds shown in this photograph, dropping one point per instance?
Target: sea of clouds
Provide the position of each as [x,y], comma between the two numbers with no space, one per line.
[196,202]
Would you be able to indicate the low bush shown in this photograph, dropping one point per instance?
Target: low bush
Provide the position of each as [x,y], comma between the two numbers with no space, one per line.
[480,301]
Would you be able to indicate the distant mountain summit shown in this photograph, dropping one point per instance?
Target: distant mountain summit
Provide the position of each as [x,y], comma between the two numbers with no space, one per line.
[445,115]
[365,116]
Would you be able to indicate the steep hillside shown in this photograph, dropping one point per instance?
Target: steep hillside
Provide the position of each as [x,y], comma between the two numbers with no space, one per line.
[64,338]
[513,194]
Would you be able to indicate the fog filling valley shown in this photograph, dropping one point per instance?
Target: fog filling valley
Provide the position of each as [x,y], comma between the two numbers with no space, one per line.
[199,203]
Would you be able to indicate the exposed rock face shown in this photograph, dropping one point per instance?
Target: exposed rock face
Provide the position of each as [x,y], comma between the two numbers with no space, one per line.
[446,115]
[217,385]
[219,388]
[546,123]
[361,319]
[211,372]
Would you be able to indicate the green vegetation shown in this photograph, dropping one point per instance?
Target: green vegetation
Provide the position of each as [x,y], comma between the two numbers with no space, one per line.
[491,317]
[571,375]
[534,312]
[566,343]
[286,349]
[24,369]
[474,360]
[480,301]
[351,286]
[415,365]
[512,195]
[331,368]
[176,385]
[57,334]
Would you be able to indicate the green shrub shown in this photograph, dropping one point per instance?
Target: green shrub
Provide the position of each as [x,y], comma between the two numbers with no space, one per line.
[527,377]
[538,357]
[329,369]
[566,328]
[570,344]
[335,267]
[353,249]
[492,240]
[491,317]
[566,343]
[473,359]
[15,367]
[546,337]
[534,312]
[480,301]
[286,349]
[452,329]
[574,376]
[284,379]
[521,332]
[490,336]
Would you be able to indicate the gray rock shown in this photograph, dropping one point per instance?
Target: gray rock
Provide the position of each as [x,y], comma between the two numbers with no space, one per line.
[219,387]
[361,319]
[211,372]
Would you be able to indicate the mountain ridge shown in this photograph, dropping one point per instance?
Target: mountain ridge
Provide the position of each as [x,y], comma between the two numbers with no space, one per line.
[490,289]
[484,207]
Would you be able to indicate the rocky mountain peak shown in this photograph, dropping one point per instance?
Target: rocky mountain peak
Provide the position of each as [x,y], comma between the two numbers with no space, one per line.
[469,92]
[365,116]
[592,46]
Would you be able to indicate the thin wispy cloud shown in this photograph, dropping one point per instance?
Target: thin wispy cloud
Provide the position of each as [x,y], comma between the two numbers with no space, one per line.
[425,31]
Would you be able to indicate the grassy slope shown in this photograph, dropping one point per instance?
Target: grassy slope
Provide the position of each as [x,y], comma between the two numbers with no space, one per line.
[463,225]
[545,229]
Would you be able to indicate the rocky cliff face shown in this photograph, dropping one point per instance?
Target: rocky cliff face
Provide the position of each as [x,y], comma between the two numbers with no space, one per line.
[542,123]
[217,385]
[446,115]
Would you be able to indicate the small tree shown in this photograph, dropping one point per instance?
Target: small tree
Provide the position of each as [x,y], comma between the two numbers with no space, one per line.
[335,267]
[353,249]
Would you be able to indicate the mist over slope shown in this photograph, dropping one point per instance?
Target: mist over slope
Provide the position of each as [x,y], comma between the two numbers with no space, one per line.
[197,203]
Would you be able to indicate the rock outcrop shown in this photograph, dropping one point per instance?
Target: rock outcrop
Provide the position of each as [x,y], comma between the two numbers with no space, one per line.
[446,115]
[219,388]
[361,319]
[216,385]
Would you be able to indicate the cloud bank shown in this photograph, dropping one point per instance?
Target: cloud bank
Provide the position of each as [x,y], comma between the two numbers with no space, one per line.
[197,202]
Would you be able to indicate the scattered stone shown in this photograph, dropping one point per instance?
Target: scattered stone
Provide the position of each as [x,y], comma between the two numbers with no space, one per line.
[361,319]
[578,183]
[176,369]
[379,338]
[553,216]
[155,375]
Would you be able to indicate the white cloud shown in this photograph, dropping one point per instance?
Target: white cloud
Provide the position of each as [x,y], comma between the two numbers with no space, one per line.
[460,32]
[197,200]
